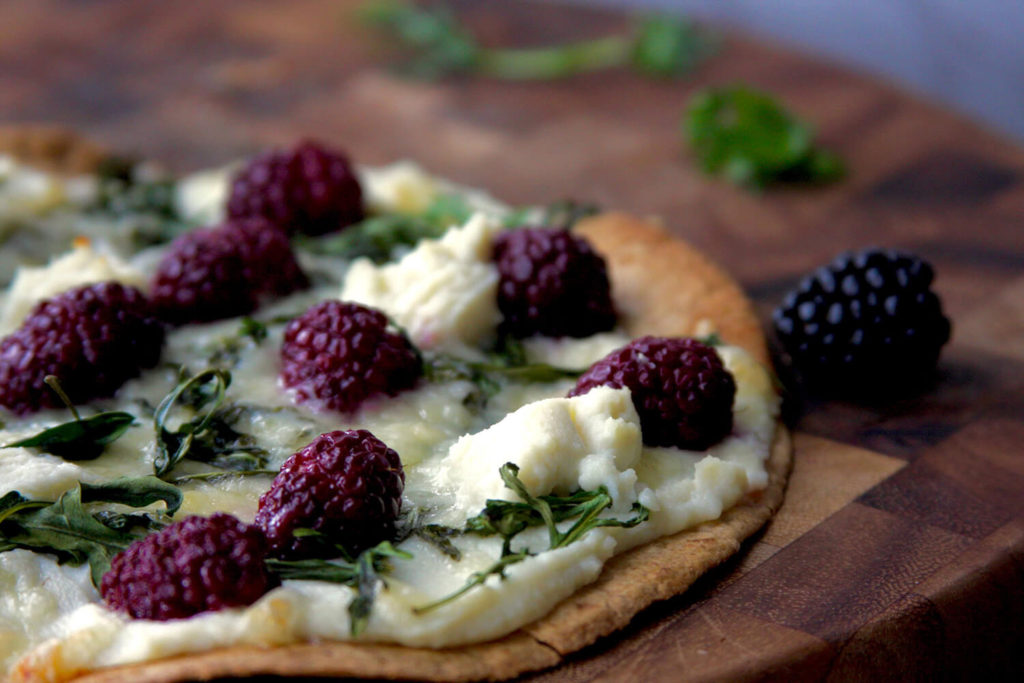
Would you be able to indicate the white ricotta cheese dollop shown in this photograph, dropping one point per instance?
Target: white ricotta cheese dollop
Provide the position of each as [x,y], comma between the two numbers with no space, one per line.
[83,265]
[443,292]
[26,192]
[559,444]
[201,197]
[402,186]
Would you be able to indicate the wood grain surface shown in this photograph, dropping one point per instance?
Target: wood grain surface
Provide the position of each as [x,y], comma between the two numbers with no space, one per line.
[899,553]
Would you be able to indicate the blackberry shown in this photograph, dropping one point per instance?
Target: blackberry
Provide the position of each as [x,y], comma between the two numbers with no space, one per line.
[346,485]
[93,338]
[552,283]
[225,271]
[866,320]
[199,564]
[680,389]
[339,354]
[309,189]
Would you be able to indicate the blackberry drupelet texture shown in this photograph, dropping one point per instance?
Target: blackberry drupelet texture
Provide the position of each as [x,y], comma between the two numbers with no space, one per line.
[680,389]
[552,283]
[225,271]
[865,321]
[346,485]
[93,338]
[199,564]
[309,189]
[339,354]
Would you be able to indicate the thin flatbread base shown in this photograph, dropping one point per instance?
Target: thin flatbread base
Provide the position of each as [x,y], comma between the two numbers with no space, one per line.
[662,286]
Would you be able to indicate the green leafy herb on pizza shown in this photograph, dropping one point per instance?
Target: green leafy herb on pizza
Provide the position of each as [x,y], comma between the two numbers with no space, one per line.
[508,519]
[73,530]
[366,574]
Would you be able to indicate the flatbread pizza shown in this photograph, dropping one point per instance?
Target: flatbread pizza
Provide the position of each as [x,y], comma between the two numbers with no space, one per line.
[537,517]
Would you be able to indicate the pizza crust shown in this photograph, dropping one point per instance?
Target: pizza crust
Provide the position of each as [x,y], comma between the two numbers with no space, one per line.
[51,148]
[662,286]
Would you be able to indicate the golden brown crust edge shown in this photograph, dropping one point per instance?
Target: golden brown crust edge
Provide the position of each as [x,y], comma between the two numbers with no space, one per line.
[662,286]
[51,148]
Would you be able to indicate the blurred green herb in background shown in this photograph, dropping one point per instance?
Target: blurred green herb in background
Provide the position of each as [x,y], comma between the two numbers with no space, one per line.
[752,140]
[439,45]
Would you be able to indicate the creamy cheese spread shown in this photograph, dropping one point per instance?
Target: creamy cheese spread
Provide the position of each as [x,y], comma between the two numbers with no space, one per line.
[442,293]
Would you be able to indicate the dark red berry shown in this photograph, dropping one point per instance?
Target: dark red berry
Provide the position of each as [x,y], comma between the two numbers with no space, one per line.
[309,189]
[200,564]
[225,271]
[93,338]
[552,283]
[338,354]
[680,389]
[866,320]
[346,485]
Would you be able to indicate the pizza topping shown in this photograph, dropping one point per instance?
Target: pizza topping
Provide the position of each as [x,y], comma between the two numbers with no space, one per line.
[339,354]
[559,445]
[346,487]
[225,271]
[79,439]
[83,265]
[199,564]
[443,292]
[309,189]
[209,436]
[552,283]
[364,574]
[383,237]
[680,388]
[93,339]
[864,320]
[508,519]
[26,192]
[73,529]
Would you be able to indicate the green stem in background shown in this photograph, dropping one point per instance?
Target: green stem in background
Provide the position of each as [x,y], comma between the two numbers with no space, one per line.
[555,62]
[439,45]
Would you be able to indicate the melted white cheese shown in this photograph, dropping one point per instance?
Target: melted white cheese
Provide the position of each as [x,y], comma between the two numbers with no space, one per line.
[443,292]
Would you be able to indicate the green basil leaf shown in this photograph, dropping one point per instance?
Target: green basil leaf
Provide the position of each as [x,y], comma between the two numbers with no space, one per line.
[136,492]
[203,391]
[83,439]
[489,377]
[378,237]
[752,140]
[67,529]
[252,328]
[440,537]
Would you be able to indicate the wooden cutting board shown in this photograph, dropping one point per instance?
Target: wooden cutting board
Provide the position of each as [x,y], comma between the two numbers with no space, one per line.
[899,553]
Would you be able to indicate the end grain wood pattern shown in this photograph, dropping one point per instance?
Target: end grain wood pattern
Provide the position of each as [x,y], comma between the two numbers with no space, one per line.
[899,553]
